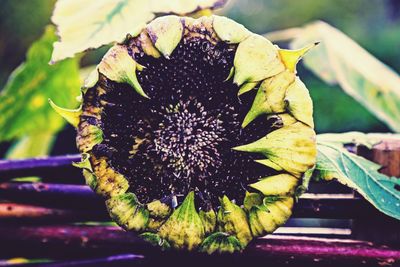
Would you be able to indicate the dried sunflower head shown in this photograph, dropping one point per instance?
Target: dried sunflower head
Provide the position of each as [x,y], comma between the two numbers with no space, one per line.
[197,132]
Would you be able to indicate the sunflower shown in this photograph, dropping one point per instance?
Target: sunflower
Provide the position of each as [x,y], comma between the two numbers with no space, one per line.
[197,132]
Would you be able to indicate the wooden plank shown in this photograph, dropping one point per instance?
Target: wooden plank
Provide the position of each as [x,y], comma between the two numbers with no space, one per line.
[67,239]
[81,197]
[21,213]
[381,228]
[43,167]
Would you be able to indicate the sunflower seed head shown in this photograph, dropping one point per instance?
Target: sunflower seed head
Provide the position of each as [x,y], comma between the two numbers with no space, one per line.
[179,140]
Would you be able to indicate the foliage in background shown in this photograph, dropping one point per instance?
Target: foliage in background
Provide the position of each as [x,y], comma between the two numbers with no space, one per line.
[340,60]
[21,23]
[25,112]
[80,28]
[344,115]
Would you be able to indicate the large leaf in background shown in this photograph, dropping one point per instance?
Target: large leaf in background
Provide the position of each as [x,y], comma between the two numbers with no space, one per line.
[357,138]
[335,162]
[32,146]
[24,110]
[92,23]
[340,60]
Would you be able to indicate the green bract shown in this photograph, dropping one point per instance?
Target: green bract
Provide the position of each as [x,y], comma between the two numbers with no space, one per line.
[180,159]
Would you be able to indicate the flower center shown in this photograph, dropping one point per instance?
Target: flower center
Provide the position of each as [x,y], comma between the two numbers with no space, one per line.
[188,139]
[181,138]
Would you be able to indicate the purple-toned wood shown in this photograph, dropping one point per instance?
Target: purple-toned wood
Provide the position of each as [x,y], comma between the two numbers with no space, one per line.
[283,249]
[17,213]
[82,197]
[32,163]
[44,167]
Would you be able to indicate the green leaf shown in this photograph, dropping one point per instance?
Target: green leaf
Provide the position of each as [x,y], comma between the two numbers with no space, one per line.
[31,146]
[357,138]
[335,162]
[340,60]
[92,23]
[24,107]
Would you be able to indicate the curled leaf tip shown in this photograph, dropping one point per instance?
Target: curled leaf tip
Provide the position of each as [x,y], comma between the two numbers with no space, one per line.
[166,33]
[119,66]
[84,163]
[70,115]
[247,87]
[290,58]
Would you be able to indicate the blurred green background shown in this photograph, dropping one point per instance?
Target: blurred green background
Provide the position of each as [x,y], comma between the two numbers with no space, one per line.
[373,23]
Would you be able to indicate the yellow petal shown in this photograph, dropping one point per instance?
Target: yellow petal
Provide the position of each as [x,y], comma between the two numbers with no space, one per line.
[70,115]
[233,220]
[229,31]
[280,184]
[292,147]
[291,57]
[117,65]
[184,228]
[247,87]
[126,210]
[256,59]
[299,102]
[270,96]
[165,33]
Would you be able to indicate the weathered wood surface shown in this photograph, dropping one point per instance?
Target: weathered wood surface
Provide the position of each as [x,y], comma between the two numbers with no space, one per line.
[81,197]
[385,153]
[66,241]
[380,228]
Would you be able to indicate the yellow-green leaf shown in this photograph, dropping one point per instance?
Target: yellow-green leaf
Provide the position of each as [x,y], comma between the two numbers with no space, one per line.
[92,23]
[24,108]
[340,60]
[31,146]
[357,138]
